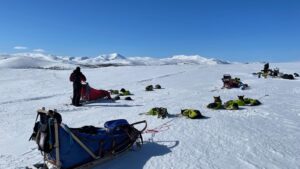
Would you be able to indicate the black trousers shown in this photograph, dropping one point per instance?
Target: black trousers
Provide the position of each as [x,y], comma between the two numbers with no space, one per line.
[76,94]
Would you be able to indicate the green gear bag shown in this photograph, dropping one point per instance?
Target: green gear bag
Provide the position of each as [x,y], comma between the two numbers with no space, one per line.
[160,112]
[153,111]
[252,102]
[125,93]
[215,105]
[240,102]
[255,103]
[114,91]
[191,113]
[231,105]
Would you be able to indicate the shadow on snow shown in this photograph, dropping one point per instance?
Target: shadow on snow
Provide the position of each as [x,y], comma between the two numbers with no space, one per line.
[99,103]
[137,159]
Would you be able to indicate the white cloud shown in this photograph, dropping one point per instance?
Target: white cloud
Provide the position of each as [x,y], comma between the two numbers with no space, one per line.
[38,50]
[20,48]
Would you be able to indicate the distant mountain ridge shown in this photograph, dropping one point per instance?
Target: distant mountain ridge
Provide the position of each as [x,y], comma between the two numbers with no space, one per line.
[48,61]
[113,56]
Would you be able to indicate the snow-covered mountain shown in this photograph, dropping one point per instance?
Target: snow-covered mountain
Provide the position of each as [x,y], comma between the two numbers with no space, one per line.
[193,59]
[48,61]
[34,60]
[113,56]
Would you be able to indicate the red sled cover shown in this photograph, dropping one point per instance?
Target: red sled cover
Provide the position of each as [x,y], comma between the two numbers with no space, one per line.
[88,93]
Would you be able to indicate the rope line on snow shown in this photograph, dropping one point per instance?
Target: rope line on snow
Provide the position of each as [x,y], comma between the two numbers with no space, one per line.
[163,127]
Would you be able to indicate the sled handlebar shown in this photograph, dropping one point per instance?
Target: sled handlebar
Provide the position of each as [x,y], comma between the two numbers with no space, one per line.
[140,122]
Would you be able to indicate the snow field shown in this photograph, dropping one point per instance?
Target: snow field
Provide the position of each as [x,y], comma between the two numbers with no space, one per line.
[266,136]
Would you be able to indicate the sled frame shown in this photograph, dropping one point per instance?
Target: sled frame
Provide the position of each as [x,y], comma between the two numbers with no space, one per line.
[98,160]
[111,156]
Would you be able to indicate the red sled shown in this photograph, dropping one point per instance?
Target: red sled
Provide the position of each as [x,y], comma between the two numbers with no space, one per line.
[88,93]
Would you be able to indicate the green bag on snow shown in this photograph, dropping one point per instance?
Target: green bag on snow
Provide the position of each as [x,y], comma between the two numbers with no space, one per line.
[252,102]
[217,104]
[248,101]
[231,105]
[114,91]
[191,113]
[159,112]
[124,92]
[240,102]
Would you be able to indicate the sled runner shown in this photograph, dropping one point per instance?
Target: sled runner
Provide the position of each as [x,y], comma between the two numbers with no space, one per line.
[85,147]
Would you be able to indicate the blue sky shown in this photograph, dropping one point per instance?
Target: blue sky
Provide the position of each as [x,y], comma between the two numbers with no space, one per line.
[235,30]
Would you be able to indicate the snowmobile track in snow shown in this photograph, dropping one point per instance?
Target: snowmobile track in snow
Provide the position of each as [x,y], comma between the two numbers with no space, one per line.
[31,99]
[160,77]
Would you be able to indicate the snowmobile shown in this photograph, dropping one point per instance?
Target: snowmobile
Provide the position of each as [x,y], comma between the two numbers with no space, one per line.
[82,148]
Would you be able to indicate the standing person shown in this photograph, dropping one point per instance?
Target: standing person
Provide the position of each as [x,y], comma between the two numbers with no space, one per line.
[266,68]
[77,77]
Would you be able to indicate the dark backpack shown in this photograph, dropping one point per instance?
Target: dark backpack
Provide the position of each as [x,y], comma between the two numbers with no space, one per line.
[149,88]
[287,76]
[43,130]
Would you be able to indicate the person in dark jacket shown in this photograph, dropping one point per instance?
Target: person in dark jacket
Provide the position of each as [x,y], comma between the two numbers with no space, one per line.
[266,68]
[77,77]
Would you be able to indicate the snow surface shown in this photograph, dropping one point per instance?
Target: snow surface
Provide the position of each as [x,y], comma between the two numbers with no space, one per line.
[48,61]
[266,136]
